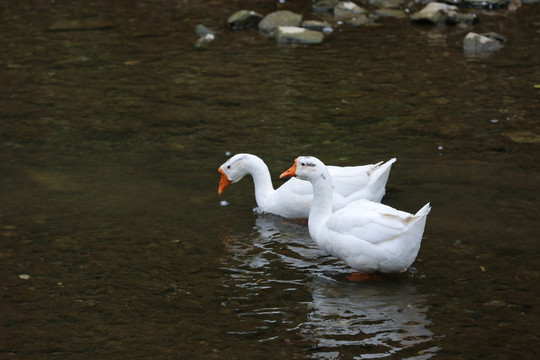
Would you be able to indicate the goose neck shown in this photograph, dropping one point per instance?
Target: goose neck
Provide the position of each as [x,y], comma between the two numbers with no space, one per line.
[321,207]
[261,180]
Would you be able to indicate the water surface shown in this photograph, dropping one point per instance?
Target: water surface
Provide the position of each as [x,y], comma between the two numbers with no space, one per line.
[114,242]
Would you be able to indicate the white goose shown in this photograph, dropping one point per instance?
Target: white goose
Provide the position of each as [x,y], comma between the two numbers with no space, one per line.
[293,198]
[369,236]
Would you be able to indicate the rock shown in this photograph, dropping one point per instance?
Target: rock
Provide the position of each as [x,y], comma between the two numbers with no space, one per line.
[491,4]
[204,41]
[495,36]
[357,20]
[482,43]
[202,30]
[279,18]
[387,4]
[317,25]
[244,19]
[388,13]
[294,34]
[495,303]
[460,18]
[324,6]
[435,13]
[523,137]
[513,5]
[347,9]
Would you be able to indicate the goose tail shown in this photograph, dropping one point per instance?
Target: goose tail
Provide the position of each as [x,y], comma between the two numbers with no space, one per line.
[379,178]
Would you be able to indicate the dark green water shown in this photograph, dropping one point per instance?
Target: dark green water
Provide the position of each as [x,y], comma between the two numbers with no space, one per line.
[113,242]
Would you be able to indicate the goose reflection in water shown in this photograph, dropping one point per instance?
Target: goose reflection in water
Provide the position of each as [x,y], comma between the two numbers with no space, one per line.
[372,320]
[337,318]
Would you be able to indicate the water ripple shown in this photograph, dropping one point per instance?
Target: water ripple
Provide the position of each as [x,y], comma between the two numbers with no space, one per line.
[279,279]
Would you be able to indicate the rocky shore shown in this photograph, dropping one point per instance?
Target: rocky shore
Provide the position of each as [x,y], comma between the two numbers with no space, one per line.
[286,26]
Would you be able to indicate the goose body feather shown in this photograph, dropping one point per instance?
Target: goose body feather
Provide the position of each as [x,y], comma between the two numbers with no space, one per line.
[369,236]
[293,198]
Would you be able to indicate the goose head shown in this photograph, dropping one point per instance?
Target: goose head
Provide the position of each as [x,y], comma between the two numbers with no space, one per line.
[233,170]
[306,168]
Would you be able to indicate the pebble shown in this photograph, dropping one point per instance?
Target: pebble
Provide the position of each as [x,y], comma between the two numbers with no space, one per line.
[495,303]
[202,30]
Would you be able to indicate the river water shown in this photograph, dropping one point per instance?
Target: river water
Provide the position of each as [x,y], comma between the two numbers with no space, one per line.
[114,243]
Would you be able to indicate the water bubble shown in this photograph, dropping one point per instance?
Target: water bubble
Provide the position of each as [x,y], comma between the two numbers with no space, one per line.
[440,148]
[227,153]
[494,121]
[224,203]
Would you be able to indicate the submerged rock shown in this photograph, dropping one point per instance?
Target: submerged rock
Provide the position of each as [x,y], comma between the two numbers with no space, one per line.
[294,34]
[387,4]
[279,18]
[204,41]
[462,18]
[244,19]
[202,30]
[389,13]
[487,3]
[523,137]
[206,36]
[324,6]
[317,25]
[357,20]
[482,43]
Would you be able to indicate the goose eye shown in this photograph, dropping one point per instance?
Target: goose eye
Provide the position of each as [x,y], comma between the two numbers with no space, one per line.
[228,166]
[303,164]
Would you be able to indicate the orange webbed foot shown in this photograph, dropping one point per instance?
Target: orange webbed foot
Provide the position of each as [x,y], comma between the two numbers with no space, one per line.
[359,277]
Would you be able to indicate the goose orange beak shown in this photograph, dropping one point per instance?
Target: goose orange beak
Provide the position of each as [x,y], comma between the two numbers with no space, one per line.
[224,182]
[290,172]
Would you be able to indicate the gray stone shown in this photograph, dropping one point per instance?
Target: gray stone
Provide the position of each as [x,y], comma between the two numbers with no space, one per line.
[317,25]
[279,18]
[495,36]
[487,3]
[294,34]
[244,19]
[495,303]
[203,42]
[482,43]
[439,13]
[357,20]
[435,13]
[324,6]
[387,4]
[523,137]
[347,9]
[389,13]
[462,18]
[202,30]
